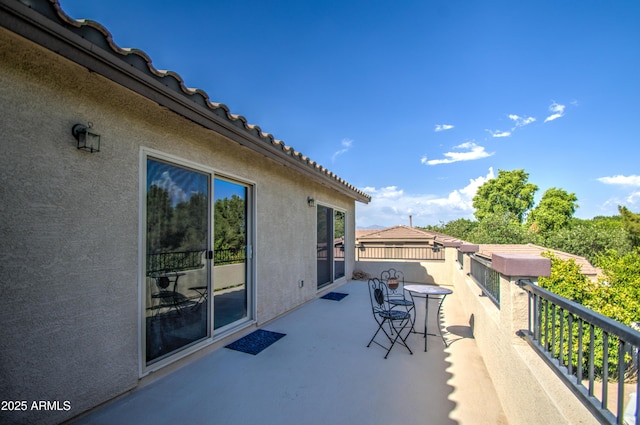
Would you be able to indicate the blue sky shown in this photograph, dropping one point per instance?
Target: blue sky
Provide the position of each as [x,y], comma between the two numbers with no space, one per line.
[182,183]
[417,102]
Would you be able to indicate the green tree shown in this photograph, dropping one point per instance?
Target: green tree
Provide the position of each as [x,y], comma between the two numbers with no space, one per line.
[553,212]
[566,279]
[338,223]
[618,295]
[159,220]
[191,223]
[589,238]
[460,228]
[631,223]
[500,229]
[229,223]
[509,193]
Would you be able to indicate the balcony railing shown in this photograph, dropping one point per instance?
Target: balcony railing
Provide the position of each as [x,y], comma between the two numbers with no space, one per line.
[167,262]
[487,278]
[424,253]
[228,256]
[584,347]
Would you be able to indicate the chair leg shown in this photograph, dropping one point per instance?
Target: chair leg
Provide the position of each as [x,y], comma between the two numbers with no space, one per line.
[396,330]
[391,340]
[374,335]
[403,341]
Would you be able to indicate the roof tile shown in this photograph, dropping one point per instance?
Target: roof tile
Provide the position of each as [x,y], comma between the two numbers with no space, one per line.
[98,35]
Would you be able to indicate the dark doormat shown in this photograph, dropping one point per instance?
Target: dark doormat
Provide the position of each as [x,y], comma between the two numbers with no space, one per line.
[334,296]
[255,342]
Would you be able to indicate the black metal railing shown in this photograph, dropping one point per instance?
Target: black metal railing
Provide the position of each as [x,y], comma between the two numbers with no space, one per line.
[487,278]
[461,259]
[400,253]
[586,348]
[229,256]
[169,262]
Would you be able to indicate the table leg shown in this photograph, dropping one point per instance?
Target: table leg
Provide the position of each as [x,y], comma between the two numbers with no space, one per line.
[426,319]
[438,318]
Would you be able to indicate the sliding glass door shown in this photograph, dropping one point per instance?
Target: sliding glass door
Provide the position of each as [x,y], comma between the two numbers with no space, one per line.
[338,245]
[176,271]
[230,269]
[330,245]
[197,259]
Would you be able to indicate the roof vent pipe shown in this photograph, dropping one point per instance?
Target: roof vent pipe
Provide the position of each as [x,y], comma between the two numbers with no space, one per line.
[410,221]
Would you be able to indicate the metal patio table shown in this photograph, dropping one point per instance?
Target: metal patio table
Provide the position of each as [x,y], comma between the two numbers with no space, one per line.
[427,292]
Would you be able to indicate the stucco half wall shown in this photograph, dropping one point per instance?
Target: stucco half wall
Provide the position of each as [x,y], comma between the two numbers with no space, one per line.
[70,225]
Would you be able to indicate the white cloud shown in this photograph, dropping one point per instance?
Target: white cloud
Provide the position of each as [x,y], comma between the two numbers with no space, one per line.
[499,133]
[346,145]
[557,112]
[518,122]
[176,194]
[623,196]
[472,153]
[443,127]
[391,206]
[632,180]
[633,198]
[521,121]
[389,192]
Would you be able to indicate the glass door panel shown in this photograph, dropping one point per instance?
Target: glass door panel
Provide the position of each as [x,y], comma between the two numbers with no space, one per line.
[176,270]
[229,253]
[323,245]
[338,244]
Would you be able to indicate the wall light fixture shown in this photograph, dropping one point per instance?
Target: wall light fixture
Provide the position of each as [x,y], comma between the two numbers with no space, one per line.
[86,136]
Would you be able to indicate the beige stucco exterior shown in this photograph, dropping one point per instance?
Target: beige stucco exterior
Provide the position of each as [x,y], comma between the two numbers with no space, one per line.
[70,224]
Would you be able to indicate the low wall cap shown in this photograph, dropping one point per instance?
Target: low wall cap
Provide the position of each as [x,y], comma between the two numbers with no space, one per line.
[467,247]
[521,265]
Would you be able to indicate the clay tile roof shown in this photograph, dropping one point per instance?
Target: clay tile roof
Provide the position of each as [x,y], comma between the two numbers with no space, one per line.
[396,233]
[487,250]
[96,42]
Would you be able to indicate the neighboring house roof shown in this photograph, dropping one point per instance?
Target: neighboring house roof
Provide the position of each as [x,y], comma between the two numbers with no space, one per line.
[487,250]
[401,234]
[91,45]
[395,234]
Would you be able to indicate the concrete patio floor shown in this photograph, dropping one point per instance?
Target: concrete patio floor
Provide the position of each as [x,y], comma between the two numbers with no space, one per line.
[321,372]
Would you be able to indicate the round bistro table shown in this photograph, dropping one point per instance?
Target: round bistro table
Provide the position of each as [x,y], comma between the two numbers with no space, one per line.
[429,291]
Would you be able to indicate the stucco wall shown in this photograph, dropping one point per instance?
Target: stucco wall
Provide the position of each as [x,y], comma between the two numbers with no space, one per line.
[69,225]
[529,390]
[414,271]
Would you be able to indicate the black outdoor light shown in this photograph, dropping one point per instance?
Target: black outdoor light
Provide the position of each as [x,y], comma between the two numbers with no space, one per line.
[87,138]
[311,202]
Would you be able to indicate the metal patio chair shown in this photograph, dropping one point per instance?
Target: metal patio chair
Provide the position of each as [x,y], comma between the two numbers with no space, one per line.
[166,296]
[397,295]
[383,313]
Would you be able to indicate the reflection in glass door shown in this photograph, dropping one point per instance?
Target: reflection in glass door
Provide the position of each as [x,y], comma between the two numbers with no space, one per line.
[338,245]
[323,245]
[230,253]
[176,270]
